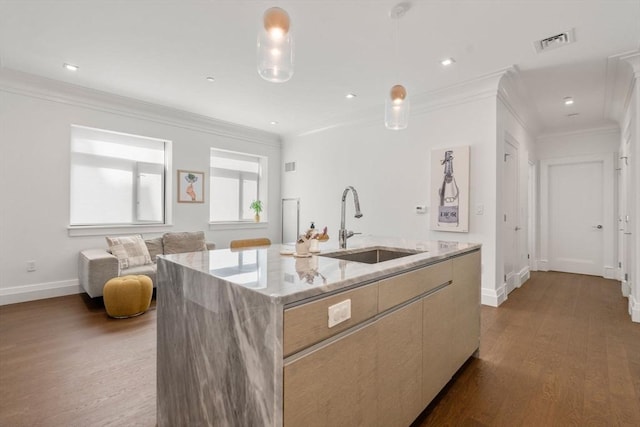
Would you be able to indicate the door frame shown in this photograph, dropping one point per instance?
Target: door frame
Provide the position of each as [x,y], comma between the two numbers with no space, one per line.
[512,279]
[608,198]
[532,190]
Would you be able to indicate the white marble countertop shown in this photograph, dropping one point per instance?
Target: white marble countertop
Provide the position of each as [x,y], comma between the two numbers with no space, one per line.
[287,279]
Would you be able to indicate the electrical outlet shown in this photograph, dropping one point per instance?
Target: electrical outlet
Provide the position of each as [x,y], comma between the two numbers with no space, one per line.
[31,266]
[339,312]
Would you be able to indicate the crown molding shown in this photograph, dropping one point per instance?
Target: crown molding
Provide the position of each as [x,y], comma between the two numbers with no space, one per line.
[620,80]
[484,86]
[20,83]
[480,87]
[514,95]
[601,130]
[633,58]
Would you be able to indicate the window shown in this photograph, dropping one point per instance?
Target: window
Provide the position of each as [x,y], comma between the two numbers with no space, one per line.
[237,179]
[116,179]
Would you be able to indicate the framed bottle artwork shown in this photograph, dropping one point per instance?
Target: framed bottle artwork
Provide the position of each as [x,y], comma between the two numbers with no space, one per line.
[450,189]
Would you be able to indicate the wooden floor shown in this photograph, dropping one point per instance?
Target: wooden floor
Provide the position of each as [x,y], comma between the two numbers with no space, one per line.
[63,362]
[561,351]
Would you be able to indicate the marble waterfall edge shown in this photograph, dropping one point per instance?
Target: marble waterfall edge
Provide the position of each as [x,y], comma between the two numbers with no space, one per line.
[219,352]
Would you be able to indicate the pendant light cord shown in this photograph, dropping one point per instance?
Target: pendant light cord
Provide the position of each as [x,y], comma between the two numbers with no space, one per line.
[397,50]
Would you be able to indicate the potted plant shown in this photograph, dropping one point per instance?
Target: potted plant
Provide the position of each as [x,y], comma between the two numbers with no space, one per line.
[256,206]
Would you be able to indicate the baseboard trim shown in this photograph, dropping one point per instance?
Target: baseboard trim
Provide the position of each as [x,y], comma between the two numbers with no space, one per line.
[493,297]
[524,275]
[634,309]
[38,291]
[625,288]
[610,272]
[543,265]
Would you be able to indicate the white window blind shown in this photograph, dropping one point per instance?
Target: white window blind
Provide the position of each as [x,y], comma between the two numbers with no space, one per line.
[236,179]
[116,179]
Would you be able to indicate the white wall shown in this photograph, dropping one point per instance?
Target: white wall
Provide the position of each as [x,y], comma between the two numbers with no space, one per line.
[390,171]
[634,200]
[35,119]
[630,148]
[513,126]
[576,144]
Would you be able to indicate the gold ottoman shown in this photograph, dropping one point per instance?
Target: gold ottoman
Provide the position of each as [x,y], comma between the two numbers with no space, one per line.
[127,296]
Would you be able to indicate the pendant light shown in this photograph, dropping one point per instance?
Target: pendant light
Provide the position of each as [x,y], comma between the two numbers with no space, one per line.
[396,106]
[275,46]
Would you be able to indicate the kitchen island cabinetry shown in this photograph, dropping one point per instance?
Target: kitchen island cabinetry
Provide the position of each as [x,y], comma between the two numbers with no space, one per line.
[364,345]
[385,369]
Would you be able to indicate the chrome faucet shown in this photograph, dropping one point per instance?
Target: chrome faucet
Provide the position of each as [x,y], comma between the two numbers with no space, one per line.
[343,234]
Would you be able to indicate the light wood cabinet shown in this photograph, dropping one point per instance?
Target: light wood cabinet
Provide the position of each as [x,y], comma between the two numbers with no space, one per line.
[437,330]
[398,289]
[406,338]
[400,366]
[334,385]
[465,318]
[307,324]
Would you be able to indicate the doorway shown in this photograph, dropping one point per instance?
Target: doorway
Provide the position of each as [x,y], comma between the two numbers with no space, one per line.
[510,214]
[576,214]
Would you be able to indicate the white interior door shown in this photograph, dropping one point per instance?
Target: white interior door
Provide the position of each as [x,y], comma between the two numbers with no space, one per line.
[625,214]
[531,215]
[576,217]
[510,216]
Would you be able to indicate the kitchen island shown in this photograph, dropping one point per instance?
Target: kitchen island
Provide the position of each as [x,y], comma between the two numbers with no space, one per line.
[257,338]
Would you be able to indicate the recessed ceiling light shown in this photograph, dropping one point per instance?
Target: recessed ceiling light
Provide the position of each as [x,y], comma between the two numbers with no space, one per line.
[568,100]
[70,67]
[210,79]
[273,122]
[350,95]
[447,61]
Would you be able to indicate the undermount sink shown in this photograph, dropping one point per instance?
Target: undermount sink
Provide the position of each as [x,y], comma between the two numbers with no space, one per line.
[371,255]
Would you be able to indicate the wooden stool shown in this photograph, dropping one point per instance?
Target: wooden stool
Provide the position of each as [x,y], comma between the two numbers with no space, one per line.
[127,296]
[249,243]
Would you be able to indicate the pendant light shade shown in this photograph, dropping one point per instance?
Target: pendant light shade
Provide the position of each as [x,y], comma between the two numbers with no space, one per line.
[396,108]
[396,105]
[275,46]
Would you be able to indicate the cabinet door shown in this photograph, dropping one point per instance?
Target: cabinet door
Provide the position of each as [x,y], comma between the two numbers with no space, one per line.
[437,329]
[334,385]
[466,317]
[400,366]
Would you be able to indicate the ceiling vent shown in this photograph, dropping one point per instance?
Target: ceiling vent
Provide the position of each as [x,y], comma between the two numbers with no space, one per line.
[554,42]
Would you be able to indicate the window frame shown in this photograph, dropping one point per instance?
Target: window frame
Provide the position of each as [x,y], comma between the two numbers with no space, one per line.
[242,176]
[91,229]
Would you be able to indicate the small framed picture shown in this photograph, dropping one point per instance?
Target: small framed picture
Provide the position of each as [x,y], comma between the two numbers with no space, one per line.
[190,187]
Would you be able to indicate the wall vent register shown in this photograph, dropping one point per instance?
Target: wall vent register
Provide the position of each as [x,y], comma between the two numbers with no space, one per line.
[555,41]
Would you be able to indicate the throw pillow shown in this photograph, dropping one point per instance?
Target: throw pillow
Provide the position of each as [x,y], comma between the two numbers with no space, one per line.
[177,243]
[130,251]
[155,247]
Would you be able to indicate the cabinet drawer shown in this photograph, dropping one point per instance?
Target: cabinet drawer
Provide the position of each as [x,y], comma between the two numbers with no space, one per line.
[398,289]
[308,324]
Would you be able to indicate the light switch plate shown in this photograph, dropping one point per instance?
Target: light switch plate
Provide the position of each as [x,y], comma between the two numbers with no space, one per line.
[339,312]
